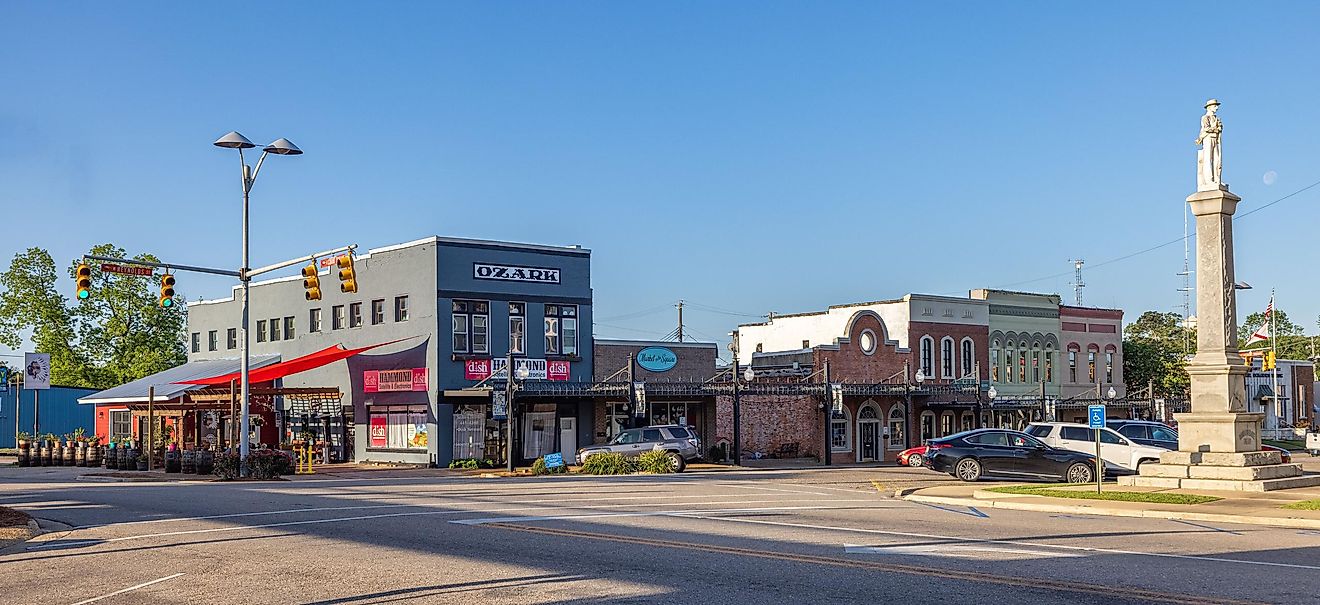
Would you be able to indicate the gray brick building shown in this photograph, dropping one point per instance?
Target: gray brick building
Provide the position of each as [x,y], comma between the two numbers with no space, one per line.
[445,312]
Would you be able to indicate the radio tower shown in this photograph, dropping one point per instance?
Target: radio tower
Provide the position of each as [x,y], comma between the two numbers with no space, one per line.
[1077,284]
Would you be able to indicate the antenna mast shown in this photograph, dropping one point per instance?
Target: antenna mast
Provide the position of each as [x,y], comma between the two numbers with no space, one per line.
[1077,284]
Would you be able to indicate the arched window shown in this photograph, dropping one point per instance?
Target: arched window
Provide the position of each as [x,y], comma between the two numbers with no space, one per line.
[1109,363]
[946,357]
[1049,363]
[967,421]
[1022,362]
[840,431]
[897,428]
[1091,351]
[1035,361]
[1073,350]
[968,358]
[994,361]
[946,424]
[928,356]
[1009,361]
[927,426]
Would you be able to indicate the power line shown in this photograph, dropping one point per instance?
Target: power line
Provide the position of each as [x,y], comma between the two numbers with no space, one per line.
[712,309]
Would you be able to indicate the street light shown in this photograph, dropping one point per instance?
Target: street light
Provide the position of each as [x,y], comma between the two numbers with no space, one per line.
[280,146]
[920,377]
[1111,393]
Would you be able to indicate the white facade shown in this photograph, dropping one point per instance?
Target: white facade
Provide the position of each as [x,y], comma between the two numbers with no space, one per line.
[805,330]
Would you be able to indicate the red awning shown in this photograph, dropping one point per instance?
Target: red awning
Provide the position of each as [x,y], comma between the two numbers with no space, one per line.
[287,368]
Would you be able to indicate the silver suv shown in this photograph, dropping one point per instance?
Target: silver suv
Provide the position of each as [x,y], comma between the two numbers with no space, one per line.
[680,441]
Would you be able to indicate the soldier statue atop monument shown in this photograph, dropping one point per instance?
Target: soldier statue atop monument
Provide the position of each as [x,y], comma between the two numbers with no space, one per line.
[1209,161]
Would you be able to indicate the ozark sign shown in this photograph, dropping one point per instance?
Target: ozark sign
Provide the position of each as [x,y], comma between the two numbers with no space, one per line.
[540,275]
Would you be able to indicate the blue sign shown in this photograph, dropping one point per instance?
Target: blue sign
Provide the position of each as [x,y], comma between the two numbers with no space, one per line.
[4,379]
[554,460]
[1095,414]
[657,359]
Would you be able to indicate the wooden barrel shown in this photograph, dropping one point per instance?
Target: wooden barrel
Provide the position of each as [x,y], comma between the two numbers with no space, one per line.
[93,455]
[172,461]
[205,462]
[108,457]
[46,453]
[71,454]
[188,462]
[121,458]
[57,455]
[25,454]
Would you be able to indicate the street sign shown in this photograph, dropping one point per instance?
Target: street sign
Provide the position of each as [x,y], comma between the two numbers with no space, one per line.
[36,371]
[555,460]
[127,269]
[836,398]
[1095,416]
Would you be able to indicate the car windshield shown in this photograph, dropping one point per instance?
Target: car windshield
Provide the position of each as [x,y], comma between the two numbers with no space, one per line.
[625,438]
[1039,430]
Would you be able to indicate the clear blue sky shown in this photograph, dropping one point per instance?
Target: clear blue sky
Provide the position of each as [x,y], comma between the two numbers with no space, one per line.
[745,156]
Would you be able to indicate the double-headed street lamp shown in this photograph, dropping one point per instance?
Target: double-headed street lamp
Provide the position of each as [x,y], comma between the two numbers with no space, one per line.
[280,146]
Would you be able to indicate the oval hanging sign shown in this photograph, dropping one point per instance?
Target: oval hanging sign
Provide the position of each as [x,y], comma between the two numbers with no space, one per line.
[657,359]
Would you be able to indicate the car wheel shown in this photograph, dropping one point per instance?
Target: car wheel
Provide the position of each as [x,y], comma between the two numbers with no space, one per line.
[915,460]
[677,461]
[968,469]
[1080,473]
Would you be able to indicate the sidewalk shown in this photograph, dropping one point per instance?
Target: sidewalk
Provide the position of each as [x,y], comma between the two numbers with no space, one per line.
[1253,508]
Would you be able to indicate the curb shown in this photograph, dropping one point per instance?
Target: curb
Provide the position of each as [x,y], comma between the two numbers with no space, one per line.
[1082,509]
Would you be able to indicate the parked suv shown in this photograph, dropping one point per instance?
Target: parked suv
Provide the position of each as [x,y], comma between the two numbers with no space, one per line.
[1146,432]
[1118,451]
[680,441]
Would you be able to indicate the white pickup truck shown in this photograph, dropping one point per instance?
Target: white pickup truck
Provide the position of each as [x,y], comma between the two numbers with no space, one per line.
[1117,451]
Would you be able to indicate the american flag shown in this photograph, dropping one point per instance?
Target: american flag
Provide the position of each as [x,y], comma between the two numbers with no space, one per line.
[1263,334]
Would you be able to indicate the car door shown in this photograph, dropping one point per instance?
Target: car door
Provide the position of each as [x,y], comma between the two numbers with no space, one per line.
[1139,433]
[651,438]
[1075,438]
[1116,451]
[1163,436]
[991,448]
[1029,456]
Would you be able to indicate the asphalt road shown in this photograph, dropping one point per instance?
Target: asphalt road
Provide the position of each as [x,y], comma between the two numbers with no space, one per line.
[756,537]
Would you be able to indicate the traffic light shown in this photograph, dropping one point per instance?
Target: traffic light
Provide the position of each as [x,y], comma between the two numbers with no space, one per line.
[1269,360]
[84,277]
[347,278]
[311,282]
[166,290]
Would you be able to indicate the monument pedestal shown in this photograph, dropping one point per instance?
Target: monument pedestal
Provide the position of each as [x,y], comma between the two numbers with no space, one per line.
[1218,441]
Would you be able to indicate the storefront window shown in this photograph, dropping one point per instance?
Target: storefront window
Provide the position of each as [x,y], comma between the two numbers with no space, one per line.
[561,330]
[839,431]
[399,428]
[896,428]
[927,426]
[119,424]
[946,424]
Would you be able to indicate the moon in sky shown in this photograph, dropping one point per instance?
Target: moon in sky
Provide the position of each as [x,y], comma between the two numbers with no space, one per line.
[1270,177]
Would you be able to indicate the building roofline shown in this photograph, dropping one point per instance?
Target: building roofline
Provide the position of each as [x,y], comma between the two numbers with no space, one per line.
[656,343]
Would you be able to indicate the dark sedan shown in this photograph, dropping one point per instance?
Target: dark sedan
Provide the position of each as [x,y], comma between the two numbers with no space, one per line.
[971,455]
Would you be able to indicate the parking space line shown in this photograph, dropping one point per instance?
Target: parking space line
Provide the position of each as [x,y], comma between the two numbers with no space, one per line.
[674,513]
[129,589]
[1206,527]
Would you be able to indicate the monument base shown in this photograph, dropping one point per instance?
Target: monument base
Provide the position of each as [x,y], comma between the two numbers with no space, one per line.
[1204,432]
[1221,471]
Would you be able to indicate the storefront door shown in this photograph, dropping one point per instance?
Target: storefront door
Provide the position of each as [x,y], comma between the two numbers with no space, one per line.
[568,437]
[870,442]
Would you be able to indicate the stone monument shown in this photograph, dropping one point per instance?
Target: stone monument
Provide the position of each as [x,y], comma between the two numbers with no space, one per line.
[1219,440]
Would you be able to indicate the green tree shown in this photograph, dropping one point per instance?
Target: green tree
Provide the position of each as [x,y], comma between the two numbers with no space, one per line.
[118,334]
[1155,350]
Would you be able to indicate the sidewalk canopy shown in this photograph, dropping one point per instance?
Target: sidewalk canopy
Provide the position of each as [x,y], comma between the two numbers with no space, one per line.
[280,370]
[172,383]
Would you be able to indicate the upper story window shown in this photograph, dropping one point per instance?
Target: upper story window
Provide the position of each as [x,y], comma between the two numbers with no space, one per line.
[518,328]
[212,340]
[288,328]
[231,338]
[968,357]
[471,326]
[1109,366]
[354,315]
[337,317]
[946,357]
[378,311]
[1072,363]
[1090,366]
[314,321]
[261,330]
[196,342]
[927,361]
[400,308]
[274,329]
[561,329]
[994,361]
[1049,364]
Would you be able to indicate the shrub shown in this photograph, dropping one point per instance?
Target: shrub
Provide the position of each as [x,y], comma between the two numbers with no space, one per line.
[262,464]
[539,468]
[655,462]
[609,463]
[464,463]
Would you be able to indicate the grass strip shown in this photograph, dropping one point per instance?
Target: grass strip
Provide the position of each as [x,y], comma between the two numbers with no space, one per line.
[1150,497]
[1304,505]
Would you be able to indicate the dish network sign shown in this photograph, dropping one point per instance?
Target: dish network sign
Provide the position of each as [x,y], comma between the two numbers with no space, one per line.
[390,381]
[537,369]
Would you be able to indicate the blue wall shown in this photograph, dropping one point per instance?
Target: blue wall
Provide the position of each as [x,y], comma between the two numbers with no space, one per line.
[60,413]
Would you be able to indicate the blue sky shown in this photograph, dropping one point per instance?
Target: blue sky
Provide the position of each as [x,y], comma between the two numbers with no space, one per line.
[747,157]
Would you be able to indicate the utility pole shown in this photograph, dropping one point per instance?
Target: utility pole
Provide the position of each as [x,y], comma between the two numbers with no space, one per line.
[828,409]
[509,413]
[737,417]
[1186,288]
[680,321]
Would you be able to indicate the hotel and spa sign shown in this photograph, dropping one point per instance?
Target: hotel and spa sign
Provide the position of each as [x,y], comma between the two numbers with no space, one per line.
[539,275]
[393,381]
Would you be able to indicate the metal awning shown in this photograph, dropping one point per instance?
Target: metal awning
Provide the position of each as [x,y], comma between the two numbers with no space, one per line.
[167,384]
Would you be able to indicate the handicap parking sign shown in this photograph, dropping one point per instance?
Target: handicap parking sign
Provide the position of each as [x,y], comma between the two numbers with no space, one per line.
[1096,416]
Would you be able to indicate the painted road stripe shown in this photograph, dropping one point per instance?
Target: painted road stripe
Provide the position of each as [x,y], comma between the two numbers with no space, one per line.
[1108,591]
[961,551]
[54,544]
[129,589]
[675,513]
[971,511]
[770,489]
[1205,527]
[964,540]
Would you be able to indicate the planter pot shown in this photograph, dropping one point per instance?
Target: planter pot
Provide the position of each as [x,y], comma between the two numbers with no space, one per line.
[188,462]
[172,461]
